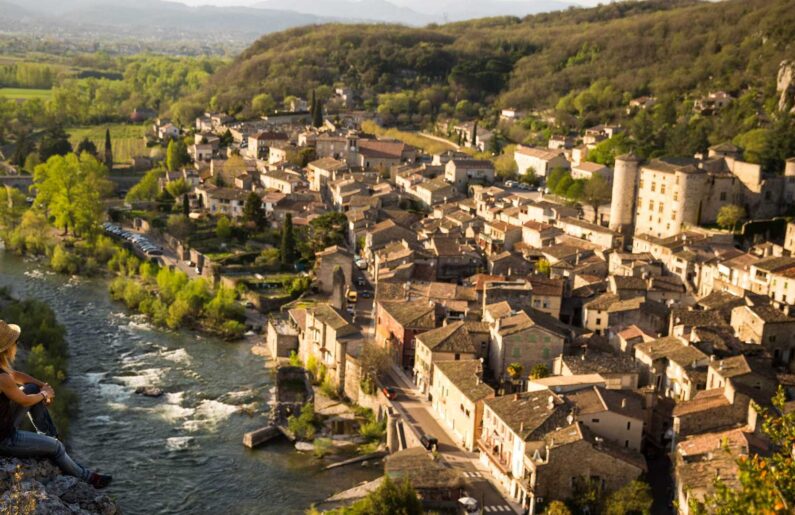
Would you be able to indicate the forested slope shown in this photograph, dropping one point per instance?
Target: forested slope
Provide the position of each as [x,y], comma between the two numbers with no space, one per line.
[631,48]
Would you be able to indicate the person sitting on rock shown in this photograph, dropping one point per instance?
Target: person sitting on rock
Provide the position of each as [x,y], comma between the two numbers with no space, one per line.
[22,394]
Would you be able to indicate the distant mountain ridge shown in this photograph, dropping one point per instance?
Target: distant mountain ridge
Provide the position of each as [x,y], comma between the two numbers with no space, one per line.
[148,19]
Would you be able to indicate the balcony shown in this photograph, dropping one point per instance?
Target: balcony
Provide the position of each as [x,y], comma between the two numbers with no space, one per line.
[502,463]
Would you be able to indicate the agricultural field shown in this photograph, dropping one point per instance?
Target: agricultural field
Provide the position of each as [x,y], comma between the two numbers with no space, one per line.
[25,94]
[127,140]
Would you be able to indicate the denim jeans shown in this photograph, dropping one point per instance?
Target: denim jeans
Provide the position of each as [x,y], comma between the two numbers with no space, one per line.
[42,444]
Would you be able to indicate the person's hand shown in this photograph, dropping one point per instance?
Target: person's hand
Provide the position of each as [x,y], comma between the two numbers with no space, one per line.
[49,392]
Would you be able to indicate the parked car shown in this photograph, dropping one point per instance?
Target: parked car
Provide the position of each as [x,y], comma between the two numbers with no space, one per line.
[389,392]
[429,442]
[510,184]
[352,296]
[361,264]
[366,294]
[351,309]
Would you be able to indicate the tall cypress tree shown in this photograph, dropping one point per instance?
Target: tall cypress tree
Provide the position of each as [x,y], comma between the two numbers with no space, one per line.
[317,114]
[108,151]
[312,105]
[288,242]
[185,204]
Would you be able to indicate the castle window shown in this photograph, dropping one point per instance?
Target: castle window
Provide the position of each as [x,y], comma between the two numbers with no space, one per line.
[654,186]
[723,195]
[662,188]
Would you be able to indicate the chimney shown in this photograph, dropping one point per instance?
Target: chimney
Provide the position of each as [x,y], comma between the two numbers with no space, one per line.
[516,396]
[521,427]
[550,402]
[623,403]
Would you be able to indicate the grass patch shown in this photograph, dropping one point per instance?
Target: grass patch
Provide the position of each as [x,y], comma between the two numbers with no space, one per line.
[430,146]
[127,140]
[25,94]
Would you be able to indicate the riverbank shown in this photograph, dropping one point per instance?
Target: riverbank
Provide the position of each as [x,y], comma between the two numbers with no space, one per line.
[182,452]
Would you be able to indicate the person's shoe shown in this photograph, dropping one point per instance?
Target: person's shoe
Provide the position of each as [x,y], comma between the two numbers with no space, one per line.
[99,481]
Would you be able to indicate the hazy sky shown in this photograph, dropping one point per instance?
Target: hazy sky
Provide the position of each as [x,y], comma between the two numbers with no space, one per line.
[398,2]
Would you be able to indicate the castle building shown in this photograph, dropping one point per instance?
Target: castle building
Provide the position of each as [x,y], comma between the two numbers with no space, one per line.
[665,196]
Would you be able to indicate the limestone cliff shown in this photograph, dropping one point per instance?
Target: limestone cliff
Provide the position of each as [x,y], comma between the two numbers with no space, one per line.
[785,86]
[37,487]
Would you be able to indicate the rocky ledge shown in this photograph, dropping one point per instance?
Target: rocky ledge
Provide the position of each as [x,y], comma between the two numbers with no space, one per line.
[37,487]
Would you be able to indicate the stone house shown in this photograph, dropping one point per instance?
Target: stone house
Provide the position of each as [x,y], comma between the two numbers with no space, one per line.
[457,394]
[329,336]
[324,171]
[449,342]
[519,339]
[499,236]
[327,261]
[614,415]
[221,201]
[462,173]
[568,457]
[510,423]
[601,236]
[586,170]
[435,191]
[539,234]
[768,327]
[540,160]
[397,325]
[281,338]
[609,310]
[674,368]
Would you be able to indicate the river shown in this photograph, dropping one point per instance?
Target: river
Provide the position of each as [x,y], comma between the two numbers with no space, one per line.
[181,453]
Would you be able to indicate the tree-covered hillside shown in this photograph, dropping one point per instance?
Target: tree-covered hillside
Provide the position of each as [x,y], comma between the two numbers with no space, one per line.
[659,47]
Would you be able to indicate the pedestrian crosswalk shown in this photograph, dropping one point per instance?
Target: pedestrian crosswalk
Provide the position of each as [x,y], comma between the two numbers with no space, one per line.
[504,508]
[472,474]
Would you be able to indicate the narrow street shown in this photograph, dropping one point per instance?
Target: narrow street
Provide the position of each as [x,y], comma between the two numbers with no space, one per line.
[419,413]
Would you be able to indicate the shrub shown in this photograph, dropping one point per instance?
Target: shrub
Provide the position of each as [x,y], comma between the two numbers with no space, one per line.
[323,446]
[295,361]
[303,426]
[373,430]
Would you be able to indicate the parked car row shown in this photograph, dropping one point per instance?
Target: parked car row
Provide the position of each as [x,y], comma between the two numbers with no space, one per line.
[139,241]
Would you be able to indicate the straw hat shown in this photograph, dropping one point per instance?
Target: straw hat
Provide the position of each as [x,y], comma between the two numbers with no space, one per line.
[9,333]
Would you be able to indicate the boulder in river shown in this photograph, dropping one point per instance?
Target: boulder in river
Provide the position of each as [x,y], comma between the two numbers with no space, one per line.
[304,447]
[149,391]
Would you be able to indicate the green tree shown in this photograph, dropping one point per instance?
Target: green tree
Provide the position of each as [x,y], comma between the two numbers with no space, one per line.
[514,370]
[542,266]
[554,177]
[179,226]
[253,211]
[86,145]
[54,142]
[108,150]
[176,155]
[391,497]
[12,207]
[185,205]
[317,114]
[539,371]
[31,162]
[71,188]
[263,104]
[767,484]
[223,228]
[288,242]
[557,508]
[634,498]
[563,185]
[147,188]
[177,188]
[730,215]
[597,191]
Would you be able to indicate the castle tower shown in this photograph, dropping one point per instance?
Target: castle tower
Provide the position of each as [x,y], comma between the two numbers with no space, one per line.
[622,204]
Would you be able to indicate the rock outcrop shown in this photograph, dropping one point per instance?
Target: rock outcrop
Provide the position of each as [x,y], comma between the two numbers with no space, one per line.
[785,85]
[37,487]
